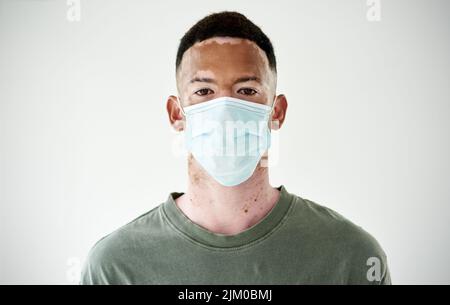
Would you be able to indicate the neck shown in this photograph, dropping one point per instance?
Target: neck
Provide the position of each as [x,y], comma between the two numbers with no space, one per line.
[226,210]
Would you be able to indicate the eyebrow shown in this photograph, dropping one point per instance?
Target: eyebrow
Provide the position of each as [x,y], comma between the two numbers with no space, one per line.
[211,80]
[247,79]
[202,80]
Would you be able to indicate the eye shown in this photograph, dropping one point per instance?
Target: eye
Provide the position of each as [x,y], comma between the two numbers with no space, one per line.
[247,91]
[204,91]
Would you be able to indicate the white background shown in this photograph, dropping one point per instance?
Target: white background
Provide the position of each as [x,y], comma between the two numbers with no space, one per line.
[86,146]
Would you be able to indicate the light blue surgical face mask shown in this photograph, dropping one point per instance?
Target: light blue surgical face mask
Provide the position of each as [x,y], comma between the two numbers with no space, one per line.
[228,136]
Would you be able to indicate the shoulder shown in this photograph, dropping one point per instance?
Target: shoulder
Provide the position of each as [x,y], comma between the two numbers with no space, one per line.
[326,223]
[341,238]
[106,257]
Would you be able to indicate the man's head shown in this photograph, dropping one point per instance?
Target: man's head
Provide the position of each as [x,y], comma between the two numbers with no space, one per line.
[225,54]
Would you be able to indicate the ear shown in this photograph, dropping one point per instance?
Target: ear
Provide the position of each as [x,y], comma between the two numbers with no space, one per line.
[176,117]
[279,112]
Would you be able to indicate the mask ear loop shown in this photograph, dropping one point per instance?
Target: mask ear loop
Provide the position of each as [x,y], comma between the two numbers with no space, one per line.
[271,110]
[181,107]
[273,105]
[269,122]
[182,111]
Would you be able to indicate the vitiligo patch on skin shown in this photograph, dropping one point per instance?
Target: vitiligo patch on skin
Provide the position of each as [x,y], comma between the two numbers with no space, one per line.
[223,40]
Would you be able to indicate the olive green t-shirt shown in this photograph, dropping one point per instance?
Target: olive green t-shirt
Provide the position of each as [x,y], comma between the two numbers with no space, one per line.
[297,242]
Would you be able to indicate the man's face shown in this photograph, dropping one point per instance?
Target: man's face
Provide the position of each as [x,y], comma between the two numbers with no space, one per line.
[224,66]
[219,67]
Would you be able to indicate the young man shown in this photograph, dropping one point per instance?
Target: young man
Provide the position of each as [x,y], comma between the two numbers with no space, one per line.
[231,226]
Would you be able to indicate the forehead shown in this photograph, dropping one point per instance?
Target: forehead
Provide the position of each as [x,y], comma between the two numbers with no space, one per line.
[223,57]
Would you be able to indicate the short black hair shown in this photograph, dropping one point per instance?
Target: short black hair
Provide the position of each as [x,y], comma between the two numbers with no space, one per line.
[226,24]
